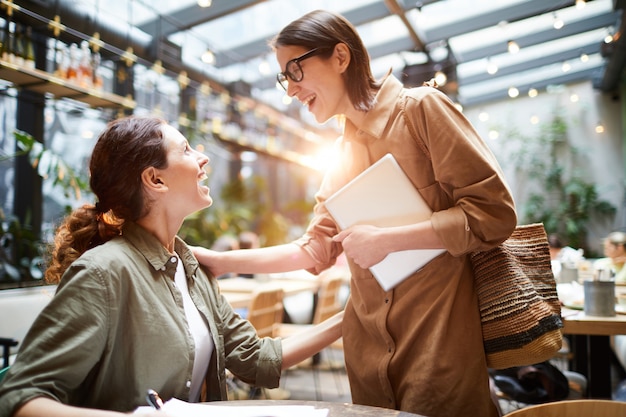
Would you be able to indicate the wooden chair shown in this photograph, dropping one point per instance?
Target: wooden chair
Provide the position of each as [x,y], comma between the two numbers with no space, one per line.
[266,311]
[573,408]
[328,304]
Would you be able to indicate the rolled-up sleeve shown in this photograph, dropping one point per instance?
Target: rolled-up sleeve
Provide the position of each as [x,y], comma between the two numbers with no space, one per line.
[482,213]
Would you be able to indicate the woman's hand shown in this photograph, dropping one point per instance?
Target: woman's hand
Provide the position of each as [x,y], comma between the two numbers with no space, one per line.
[368,245]
[364,244]
[208,258]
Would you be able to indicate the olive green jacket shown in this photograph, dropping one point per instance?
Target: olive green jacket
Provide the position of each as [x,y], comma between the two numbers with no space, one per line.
[116,327]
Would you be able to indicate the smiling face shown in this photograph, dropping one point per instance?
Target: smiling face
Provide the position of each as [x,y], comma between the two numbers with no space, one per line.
[185,173]
[322,88]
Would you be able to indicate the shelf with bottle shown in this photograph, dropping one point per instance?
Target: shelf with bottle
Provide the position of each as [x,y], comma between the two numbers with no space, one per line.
[17,66]
[43,82]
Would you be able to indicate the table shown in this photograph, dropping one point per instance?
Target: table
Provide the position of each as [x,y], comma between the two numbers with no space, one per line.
[238,291]
[336,409]
[591,346]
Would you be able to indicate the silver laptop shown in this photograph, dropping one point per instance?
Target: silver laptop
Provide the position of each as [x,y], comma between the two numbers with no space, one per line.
[383,196]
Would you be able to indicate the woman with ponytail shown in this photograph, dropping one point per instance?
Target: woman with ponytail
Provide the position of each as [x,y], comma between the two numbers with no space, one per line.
[133,311]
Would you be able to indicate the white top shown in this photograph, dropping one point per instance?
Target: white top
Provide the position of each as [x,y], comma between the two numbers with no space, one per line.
[199,330]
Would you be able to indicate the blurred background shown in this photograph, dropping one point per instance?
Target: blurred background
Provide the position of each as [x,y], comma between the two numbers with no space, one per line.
[541,80]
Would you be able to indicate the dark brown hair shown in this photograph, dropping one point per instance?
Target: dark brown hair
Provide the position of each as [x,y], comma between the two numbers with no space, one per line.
[123,151]
[323,29]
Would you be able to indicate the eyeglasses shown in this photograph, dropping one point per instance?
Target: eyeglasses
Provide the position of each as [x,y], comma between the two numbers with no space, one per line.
[293,70]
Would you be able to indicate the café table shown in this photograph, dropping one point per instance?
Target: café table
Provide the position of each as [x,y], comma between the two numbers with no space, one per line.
[239,291]
[335,409]
[591,345]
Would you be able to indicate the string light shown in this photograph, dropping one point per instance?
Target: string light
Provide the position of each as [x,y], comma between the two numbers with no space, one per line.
[513,47]
[558,23]
[204,3]
[441,78]
[208,57]
[492,68]
[513,92]
[599,128]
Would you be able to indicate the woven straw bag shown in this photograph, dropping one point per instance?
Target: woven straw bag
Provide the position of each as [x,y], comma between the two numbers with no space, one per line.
[519,306]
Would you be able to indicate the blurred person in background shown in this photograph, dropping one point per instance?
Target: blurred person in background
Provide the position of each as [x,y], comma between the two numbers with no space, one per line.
[615,256]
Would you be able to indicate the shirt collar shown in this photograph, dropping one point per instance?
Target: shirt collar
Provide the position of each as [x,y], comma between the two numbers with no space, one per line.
[154,252]
[376,119]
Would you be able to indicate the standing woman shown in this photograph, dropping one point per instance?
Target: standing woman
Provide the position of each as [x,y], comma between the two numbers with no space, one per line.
[417,347]
[132,310]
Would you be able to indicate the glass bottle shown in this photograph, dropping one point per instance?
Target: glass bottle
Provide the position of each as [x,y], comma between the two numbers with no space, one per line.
[85,75]
[7,53]
[29,49]
[96,60]
[62,61]
[18,45]
[5,37]
[72,68]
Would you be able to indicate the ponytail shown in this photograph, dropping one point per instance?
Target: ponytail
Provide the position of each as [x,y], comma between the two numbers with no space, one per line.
[84,229]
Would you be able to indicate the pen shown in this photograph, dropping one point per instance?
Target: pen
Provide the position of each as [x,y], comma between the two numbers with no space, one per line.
[154,400]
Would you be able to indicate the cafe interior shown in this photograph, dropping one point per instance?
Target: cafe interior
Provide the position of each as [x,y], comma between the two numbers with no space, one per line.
[540,80]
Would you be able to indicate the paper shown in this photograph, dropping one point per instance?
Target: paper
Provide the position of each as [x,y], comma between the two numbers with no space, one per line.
[178,408]
[383,196]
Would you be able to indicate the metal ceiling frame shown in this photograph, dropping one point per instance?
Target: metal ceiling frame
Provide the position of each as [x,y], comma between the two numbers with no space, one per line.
[194,15]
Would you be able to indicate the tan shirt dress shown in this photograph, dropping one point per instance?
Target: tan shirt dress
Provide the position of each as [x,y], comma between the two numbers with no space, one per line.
[418,347]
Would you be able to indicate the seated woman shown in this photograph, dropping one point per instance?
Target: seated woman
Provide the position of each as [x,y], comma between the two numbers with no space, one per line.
[615,257]
[133,309]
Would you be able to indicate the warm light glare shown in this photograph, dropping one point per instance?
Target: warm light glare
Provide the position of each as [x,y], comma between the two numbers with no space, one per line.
[584,57]
[574,98]
[492,68]
[534,120]
[513,47]
[264,67]
[558,23]
[325,158]
[599,128]
[208,57]
[494,134]
[441,78]
[566,67]
[580,4]
[87,134]
[204,3]
[248,156]
[513,92]
[608,39]
[287,100]
[532,93]
[483,116]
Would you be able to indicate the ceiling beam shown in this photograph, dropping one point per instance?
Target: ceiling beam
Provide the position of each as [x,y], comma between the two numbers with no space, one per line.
[564,55]
[258,47]
[614,71]
[521,11]
[586,25]
[567,78]
[395,8]
[167,24]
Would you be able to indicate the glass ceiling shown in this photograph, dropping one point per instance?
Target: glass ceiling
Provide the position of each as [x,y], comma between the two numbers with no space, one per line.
[472,34]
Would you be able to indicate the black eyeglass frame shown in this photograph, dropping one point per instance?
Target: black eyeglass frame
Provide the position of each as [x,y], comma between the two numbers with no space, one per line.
[281,77]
